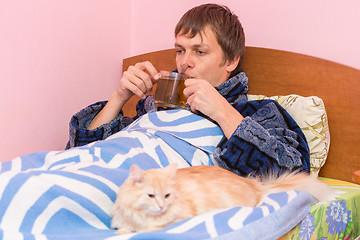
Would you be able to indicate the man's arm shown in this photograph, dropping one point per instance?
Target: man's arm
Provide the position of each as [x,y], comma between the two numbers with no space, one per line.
[203,97]
[100,120]
[80,135]
[268,140]
[108,113]
[136,80]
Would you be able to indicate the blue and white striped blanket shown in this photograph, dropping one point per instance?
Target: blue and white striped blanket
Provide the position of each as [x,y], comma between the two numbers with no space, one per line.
[69,194]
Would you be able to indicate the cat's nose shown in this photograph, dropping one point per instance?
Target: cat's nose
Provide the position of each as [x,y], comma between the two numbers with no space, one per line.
[162,208]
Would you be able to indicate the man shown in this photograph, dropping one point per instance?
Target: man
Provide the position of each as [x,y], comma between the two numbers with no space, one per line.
[259,135]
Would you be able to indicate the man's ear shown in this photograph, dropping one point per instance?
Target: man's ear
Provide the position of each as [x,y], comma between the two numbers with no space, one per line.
[232,64]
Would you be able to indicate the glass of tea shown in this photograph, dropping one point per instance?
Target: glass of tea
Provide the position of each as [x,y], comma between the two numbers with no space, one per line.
[169,90]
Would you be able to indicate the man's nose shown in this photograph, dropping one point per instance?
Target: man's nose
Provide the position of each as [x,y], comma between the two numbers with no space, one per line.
[187,59]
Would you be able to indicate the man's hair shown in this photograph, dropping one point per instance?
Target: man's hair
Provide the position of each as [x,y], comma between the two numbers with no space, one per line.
[225,24]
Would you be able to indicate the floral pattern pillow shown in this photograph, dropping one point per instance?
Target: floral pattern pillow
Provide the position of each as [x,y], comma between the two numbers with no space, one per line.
[310,114]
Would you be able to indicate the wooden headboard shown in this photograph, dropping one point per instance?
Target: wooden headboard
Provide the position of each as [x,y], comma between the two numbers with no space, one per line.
[274,72]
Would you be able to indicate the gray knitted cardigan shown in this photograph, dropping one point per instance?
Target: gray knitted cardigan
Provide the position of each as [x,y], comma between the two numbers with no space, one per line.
[267,140]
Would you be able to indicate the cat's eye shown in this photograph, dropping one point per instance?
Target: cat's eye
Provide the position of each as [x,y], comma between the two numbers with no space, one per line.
[151,195]
[167,195]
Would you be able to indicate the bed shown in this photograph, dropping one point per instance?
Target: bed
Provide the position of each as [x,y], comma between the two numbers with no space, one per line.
[69,194]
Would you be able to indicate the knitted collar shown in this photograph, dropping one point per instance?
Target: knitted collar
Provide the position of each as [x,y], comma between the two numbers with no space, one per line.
[235,89]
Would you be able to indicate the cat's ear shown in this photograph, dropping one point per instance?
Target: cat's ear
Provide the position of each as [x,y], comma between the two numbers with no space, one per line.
[136,174]
[171,169]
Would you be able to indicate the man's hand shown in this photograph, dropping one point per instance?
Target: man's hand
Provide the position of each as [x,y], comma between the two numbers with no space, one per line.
[203,97]
[137,80]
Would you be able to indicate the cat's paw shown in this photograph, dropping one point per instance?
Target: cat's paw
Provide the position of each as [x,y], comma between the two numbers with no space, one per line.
[115,225]
[123,231]
[116,222]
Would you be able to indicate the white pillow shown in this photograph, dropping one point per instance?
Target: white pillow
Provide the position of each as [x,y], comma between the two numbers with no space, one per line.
[310,115]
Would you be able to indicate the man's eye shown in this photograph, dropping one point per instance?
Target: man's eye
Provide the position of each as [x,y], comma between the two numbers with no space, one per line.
[151,195]
[179,51]
[201,53]
[167,195]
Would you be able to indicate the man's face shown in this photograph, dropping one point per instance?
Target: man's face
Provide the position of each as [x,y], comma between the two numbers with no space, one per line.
[204,56]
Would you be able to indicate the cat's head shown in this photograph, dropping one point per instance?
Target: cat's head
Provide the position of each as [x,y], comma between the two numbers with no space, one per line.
[151,191]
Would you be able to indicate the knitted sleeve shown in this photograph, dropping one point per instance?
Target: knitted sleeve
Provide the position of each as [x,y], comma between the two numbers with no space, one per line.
[79,135]
[268,140]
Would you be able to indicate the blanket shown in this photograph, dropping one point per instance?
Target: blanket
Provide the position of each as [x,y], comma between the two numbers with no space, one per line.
[68,194]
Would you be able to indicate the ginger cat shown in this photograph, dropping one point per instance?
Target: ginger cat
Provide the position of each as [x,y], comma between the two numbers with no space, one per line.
[150,200]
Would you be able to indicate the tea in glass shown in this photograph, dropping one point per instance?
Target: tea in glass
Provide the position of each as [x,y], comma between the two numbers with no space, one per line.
[169,91]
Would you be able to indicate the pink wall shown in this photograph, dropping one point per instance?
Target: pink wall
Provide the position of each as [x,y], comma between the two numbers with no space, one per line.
[59,56]
[55,58]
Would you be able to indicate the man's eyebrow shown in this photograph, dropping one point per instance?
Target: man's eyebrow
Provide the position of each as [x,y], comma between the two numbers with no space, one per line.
[196,46]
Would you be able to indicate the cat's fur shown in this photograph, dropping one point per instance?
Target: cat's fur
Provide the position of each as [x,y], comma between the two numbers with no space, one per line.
[152,199]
